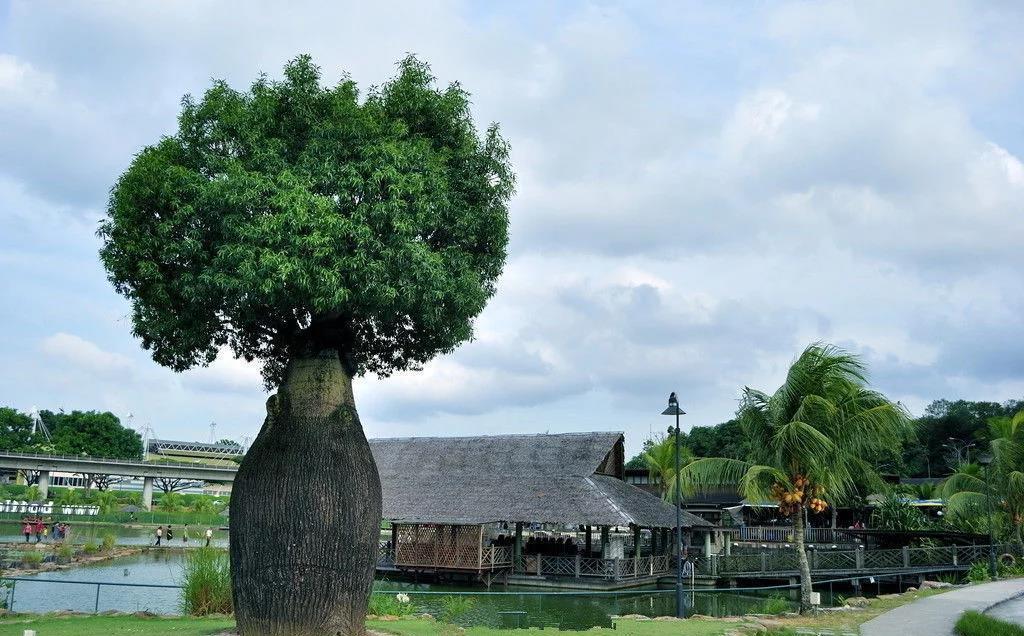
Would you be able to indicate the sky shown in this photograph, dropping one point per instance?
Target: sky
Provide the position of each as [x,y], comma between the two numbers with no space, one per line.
[704,188]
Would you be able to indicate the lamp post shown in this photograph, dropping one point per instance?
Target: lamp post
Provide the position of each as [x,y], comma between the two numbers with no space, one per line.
[986,460]
[673,409]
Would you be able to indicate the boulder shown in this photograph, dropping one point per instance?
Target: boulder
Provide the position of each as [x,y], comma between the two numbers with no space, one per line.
[857,601]
[935,585]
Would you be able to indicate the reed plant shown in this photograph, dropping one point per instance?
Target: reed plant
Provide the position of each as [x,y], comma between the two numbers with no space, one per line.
[206,585]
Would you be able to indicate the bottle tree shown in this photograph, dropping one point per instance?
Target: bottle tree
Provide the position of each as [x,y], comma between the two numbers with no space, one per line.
[324,235]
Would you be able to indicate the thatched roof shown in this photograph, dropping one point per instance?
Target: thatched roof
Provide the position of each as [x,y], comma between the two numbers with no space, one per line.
[572,478]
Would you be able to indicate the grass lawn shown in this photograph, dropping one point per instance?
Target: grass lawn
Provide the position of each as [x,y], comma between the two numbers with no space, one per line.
[624,627]
[122,625]
[117,625]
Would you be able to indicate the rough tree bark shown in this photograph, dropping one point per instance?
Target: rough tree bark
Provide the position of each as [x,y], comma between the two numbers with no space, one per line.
[306,510]
[801,557]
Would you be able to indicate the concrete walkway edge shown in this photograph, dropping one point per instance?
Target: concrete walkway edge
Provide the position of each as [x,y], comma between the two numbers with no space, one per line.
[936,615]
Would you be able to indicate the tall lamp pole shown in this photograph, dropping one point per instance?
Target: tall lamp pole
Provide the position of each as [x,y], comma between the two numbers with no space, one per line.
[673,409]
[985,460]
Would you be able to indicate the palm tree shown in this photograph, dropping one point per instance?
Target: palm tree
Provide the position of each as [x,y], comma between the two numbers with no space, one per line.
[661,464]
[107,502]
[966,491]
[810,441]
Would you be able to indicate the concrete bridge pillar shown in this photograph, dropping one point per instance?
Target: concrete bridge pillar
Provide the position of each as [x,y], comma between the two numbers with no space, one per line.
[44,484]
[707,544]
[147,493]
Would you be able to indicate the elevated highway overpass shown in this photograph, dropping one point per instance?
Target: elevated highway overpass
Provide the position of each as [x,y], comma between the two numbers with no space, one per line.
[148,470]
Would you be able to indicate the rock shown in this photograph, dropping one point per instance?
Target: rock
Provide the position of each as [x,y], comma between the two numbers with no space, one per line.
[144,614]
[757,628]
[668,618]
[635,617]
[702,617]
[910,590]
[888,596]
[935,585]
[857,601]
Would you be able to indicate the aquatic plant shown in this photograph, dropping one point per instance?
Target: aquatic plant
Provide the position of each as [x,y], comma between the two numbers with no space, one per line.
[206,585]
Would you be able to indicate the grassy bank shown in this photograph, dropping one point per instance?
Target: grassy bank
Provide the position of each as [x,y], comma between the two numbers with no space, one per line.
[978,624]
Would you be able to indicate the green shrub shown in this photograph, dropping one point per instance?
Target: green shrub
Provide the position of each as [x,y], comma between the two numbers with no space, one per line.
[31,559]
[207,583]
[454,607]
[977,624]
[90,547]
[776,604]
[109,541]
[388,605]
[65,552]
[979,572]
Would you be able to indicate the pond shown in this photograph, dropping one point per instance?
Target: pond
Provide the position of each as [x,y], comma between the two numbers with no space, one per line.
[577,610]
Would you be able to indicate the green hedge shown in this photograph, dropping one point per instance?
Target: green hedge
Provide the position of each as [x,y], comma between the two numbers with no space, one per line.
[977,624]
[156,518]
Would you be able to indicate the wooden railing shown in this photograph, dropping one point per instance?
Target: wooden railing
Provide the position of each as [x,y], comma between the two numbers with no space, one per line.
[490,558]
[860,560]
[584,567]
[785,534]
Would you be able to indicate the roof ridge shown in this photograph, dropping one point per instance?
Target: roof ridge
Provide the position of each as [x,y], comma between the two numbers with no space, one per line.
[453,437]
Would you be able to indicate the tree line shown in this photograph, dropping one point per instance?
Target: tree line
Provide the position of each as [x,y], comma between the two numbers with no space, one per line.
[948,434]
[92,433]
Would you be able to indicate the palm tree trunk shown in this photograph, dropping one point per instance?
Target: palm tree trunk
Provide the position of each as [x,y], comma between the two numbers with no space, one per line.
[306,510]
[801,557]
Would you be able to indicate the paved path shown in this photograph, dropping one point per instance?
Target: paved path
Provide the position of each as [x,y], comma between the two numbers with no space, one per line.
[1011,611]
[936,615]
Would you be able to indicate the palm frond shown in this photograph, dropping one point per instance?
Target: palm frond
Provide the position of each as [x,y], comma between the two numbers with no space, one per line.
[966,504]
[962,481]
[703,475]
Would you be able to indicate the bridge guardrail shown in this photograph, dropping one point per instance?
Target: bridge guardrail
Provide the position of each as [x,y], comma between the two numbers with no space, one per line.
[116,460]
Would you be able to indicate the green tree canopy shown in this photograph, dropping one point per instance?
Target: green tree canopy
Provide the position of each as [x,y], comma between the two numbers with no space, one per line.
[91,433]
[15,430]
[292,213]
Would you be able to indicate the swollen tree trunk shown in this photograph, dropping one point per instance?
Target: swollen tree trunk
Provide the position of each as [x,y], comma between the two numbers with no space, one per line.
[306,510]
[801,557]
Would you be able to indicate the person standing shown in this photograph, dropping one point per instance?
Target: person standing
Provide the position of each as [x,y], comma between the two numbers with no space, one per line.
[170,533]
[37,527]
[184,536]
[159,534]
[27,531]
[209,536]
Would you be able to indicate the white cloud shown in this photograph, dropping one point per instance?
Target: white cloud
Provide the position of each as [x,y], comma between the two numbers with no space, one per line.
[699,195]
[85,355]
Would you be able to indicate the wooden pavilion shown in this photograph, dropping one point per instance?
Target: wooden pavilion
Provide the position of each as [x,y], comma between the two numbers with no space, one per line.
[448,497]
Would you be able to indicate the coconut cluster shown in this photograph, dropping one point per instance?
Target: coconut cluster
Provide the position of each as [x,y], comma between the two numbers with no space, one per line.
[803,493]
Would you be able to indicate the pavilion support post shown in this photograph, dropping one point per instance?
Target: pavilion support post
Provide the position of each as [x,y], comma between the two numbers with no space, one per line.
[517,550]
[394,542]
[666,548]
[588,544]
[636,542]
[654,542]
[605,541]
[707,544]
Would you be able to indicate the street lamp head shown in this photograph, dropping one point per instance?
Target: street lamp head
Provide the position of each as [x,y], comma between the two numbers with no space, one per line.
[985,459]
[673,406]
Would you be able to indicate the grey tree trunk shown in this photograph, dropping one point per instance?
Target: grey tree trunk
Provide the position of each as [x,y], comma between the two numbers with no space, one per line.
[801,557]
[306,510]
